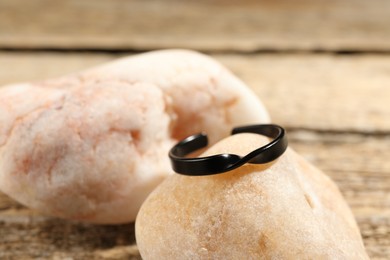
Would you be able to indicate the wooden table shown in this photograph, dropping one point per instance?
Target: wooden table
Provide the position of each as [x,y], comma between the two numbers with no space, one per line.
[322,68]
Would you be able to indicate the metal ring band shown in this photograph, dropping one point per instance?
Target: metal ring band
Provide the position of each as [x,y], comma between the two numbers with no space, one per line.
[220,163]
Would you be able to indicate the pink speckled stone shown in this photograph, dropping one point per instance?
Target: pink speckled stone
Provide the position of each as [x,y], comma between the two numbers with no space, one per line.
[92,145]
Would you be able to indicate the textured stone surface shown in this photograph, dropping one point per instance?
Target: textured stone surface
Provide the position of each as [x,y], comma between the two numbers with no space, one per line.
[284,210]
[92,145]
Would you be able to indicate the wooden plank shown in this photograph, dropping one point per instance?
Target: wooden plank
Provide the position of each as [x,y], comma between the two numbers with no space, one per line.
[320,92]
[247,25]
[350,160]
[24,234]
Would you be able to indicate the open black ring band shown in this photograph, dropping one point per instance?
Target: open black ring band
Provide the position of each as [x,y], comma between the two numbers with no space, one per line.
[220,163]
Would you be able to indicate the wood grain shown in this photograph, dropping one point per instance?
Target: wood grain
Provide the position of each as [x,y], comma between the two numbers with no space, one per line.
[24,234]
[318,92]
[217,25]
[322,92]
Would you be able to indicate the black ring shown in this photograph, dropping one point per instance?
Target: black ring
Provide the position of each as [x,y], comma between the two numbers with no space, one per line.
[220,163]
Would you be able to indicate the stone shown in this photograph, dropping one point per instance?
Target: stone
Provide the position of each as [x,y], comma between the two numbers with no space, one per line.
[92,145]
[286,209]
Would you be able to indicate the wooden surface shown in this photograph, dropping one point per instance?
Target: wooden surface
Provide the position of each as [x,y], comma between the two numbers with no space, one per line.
[223,25]
[335,106]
